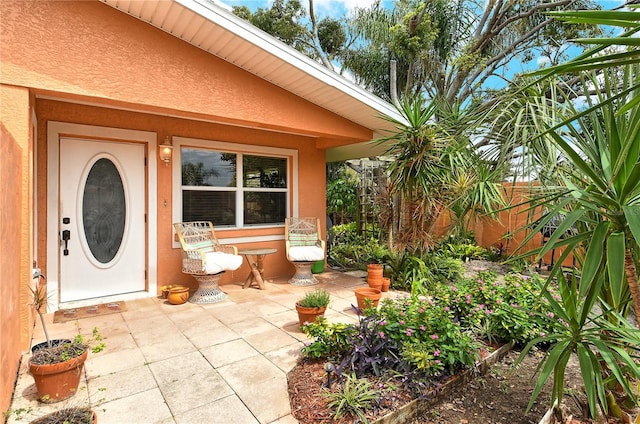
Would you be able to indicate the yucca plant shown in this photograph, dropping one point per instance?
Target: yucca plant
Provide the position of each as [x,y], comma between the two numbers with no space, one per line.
[598,196]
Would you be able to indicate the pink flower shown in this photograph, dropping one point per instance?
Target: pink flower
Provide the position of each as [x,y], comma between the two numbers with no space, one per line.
[423,328]
[550,314]
[421,310]
[436,352]
[409,331]
[447,309]
[434,337]
[381,334]
[437,361]
[401,322]
[307,343]
[454,288]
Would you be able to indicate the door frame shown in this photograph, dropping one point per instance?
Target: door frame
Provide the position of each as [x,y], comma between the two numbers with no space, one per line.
[55,130]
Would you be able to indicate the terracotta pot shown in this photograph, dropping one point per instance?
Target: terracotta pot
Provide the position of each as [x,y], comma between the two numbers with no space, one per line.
[386,282]
[374,275]
[178,295]
[165,290]
[309,314]
[56,382]
[372,294]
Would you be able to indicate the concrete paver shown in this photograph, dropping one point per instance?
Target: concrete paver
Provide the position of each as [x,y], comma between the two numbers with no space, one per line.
[192,363]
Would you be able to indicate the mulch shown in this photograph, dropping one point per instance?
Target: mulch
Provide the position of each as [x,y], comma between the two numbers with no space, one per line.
[306,383]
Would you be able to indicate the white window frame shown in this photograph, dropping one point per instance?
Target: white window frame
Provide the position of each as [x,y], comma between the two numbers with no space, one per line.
[240,149]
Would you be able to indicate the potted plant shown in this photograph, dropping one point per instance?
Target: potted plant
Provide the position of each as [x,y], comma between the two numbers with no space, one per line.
[56,365]
[312,305]
[375,266]
[367,297]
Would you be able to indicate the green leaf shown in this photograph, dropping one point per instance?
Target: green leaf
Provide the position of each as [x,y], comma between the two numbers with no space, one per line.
[612,363]
[588,371]
[632,213]
[615,266]
[620,41]
[594,257]
[562,230]
[553,360]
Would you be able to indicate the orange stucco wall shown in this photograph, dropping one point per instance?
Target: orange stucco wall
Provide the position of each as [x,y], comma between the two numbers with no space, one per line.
[506,229]
[16,247]
[311,177]
[89,49]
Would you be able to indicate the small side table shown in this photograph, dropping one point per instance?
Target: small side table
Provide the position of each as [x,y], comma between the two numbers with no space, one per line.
[255,258]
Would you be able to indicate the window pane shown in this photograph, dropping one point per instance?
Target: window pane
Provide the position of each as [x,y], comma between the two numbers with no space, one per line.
[266,172]
[218,207]
[208,168]
[264,208]
[104,210]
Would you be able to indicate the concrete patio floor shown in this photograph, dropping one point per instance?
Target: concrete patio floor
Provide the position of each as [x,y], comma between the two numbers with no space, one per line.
[193,363]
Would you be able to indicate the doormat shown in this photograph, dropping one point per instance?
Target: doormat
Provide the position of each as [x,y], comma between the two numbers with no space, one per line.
[64,315]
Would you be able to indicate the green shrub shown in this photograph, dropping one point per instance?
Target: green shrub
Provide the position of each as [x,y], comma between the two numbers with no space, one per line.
[513,310]
[350,250]
[331,341]
[421,274]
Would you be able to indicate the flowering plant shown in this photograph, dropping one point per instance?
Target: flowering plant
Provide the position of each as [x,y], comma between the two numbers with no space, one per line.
[432,340]
[512,310]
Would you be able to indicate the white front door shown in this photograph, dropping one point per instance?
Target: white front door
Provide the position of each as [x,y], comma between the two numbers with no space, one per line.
[102,229]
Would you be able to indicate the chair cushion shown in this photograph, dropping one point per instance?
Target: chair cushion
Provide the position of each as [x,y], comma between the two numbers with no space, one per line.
[205,245]
[300,239]
[216,262]
[305,253]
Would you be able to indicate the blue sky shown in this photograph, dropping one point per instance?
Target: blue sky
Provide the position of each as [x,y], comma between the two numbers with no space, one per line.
[323,8]
[338,8]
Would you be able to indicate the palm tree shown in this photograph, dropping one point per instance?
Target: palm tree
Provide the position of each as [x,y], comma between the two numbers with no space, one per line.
[436,169]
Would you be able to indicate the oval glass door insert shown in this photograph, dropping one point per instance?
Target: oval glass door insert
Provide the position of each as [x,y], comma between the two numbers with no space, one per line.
[104,210]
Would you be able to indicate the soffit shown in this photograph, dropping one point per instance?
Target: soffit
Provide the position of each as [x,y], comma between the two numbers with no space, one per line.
[210,27]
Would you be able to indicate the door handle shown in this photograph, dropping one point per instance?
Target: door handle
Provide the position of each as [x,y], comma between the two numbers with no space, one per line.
[66,236]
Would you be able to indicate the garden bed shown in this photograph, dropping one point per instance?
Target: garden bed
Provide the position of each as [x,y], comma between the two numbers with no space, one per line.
[499,396]
[306,385]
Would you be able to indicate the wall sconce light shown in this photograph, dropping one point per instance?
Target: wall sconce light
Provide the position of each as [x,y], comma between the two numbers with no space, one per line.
[165,150]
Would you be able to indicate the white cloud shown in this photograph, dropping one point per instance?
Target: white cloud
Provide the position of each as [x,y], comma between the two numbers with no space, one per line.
[542,61]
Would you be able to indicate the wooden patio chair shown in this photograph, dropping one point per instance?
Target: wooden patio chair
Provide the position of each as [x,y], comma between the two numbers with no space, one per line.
[205,259]
[303,246]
